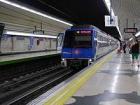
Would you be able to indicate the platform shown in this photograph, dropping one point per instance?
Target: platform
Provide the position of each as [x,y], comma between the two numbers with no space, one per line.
[17,57]
[117,83]
[113,81]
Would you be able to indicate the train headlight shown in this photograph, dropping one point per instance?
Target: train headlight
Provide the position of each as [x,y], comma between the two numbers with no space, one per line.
[90,60]
[63,59]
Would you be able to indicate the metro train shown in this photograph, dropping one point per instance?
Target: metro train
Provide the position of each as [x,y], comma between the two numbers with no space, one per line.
[84,44]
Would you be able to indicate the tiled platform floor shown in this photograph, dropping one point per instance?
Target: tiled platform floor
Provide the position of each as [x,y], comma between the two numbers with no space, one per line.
[117,83]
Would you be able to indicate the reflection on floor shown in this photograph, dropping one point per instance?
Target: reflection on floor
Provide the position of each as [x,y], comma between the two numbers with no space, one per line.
[117,83]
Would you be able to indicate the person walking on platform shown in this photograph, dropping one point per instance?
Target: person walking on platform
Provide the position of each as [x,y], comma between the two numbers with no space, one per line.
[135,53]
[124,47]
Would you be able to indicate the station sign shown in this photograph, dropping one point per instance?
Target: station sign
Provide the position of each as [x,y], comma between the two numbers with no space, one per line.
[130,30]
[111,21]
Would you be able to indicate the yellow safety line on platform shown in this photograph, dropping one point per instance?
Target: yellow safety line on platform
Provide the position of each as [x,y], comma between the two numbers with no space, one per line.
[62,96]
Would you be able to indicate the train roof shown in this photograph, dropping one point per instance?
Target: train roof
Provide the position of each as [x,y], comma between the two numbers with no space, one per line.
[86,27]
[83,26]
[89,27]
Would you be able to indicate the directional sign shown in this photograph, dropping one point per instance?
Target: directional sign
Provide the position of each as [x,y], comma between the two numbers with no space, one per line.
[111,21]
[130,30]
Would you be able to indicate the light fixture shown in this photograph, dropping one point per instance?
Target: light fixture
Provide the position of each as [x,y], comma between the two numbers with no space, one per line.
[28,34]
[130,39]
[137,34]
[108,4]
[35,12]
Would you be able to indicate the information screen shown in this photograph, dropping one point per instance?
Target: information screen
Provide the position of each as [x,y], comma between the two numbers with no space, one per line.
[83,35]
[130,30]
[78,39]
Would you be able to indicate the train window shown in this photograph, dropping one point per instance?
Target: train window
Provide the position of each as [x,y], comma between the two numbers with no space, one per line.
[82,41]
[82,38]
[78,39]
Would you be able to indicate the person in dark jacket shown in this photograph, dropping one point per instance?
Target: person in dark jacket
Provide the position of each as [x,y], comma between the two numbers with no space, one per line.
[124,47]
[135,52]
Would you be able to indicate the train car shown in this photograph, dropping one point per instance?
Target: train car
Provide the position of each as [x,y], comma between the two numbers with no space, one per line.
[84,44]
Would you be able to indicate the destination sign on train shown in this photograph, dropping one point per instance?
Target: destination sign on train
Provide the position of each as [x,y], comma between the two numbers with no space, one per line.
[84,32]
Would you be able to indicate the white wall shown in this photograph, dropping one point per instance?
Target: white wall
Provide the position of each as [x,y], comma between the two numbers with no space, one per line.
[6,44]
[23,21]
[22,44]
[53,44]
[48,43]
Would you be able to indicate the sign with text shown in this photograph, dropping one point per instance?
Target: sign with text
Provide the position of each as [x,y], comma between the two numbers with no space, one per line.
[111,21]
[130,30]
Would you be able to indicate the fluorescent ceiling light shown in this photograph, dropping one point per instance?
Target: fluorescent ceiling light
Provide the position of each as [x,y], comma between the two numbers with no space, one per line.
[35,12]
[29,34]
[137,34]
[130,39]
[108,4]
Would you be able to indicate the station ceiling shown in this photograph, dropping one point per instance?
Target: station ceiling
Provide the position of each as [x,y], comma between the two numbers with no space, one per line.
[75,11]
[128,12]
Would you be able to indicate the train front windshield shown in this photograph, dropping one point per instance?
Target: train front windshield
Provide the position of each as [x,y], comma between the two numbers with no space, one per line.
[78,39]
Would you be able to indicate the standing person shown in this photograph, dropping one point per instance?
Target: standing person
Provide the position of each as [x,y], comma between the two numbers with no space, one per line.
[135,53]
[124,47]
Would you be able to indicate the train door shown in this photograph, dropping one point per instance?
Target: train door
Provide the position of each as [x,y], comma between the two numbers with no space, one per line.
[60,39]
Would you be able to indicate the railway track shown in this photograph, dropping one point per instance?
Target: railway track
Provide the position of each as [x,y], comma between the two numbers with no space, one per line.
[15,69]
[19,91]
